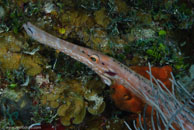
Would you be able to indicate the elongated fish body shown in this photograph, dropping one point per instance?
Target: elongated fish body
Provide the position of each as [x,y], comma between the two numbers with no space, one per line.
[111,70]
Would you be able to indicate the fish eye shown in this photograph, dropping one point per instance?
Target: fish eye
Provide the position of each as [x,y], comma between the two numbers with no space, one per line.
[94,58]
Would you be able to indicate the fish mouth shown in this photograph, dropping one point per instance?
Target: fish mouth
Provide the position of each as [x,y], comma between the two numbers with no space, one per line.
[29,29]
[110,73]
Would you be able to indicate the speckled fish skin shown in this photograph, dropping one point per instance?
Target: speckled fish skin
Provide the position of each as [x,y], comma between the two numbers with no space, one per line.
[110,71]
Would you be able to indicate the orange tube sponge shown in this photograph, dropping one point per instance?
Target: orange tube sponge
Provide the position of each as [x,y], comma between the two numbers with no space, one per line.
[127,101]
[161,73]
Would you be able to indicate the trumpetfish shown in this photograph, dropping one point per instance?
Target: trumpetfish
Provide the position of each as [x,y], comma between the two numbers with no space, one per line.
[110,70]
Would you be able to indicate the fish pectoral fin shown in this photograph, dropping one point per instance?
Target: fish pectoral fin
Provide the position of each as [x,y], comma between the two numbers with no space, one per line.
[106,80]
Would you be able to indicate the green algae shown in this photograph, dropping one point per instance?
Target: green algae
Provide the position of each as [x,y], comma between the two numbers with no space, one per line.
[162,33]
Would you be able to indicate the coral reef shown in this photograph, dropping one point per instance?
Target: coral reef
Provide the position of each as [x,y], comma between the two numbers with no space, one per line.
[53,86]
[15,106]
[188,81]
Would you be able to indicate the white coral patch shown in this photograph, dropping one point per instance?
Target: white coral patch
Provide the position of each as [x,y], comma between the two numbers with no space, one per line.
[98,101]
[49,7]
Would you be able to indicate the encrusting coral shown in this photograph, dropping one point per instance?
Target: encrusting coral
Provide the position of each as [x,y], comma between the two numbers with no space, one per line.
[11,57]
[32,64]
[72,99]
[67,98]
[9,46]
[96,104]
[101,17]
[72,110]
